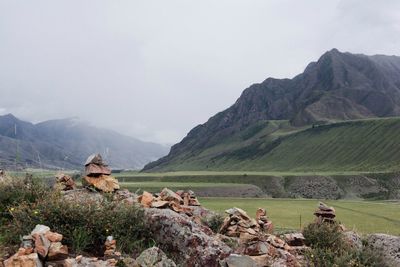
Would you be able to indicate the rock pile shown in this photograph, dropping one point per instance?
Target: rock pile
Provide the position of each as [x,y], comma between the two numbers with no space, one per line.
[110,248]
[41,244]
[64,182]
[180,202]
[262,219]
[239,224]
[324,213]
[98,175]
[254,240]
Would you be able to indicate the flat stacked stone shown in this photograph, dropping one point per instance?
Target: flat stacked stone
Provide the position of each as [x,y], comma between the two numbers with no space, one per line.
[98,175]
[324,213]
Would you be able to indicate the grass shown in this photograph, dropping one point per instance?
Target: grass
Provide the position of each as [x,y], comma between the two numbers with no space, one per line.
[362,216]
[155,186]
[371,145]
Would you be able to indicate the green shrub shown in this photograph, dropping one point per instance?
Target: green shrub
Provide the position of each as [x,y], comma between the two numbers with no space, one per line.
[214,222]
[17,191]
[85,227]
[330,248]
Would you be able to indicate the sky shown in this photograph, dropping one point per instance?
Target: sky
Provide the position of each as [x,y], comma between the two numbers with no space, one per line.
[156,69]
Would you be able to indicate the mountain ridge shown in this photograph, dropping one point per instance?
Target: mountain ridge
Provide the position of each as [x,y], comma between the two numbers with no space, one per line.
[65,143]
[338,86]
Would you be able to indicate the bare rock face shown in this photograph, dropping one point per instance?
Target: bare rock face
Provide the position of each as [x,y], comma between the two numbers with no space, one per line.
[387,245]
[154,257]
[193,244]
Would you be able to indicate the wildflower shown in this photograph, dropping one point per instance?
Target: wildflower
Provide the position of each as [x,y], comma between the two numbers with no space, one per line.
[35,212]
[12,209]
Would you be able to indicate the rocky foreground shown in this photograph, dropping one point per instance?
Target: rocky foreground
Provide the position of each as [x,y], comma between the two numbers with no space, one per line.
[178,225]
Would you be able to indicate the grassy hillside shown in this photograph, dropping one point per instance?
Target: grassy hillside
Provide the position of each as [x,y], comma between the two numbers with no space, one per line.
[362,145]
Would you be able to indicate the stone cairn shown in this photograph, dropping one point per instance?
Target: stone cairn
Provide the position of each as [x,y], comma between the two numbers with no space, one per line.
[324,213]
[64,182]
[255,239]
[42,244]
[262,220]
[98,175]
[180,202]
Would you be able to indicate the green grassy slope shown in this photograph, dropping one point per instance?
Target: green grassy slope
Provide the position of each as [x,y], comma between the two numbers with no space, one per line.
[363,145]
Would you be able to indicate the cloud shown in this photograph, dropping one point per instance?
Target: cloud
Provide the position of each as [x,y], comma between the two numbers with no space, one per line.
[155,69]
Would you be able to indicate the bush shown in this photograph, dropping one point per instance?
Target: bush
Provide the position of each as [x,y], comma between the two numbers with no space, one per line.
[84,227]
[214,222]
[330,248]
[17,191]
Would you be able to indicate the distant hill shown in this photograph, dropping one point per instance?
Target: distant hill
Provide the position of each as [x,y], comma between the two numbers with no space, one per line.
[249,134]
[67,143]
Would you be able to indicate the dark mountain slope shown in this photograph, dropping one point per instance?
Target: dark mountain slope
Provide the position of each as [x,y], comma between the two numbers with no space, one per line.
[67,143]
[339,86]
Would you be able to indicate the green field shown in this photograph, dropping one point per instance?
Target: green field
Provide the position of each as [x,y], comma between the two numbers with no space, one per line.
[155,186]
[362,216]
[371,145]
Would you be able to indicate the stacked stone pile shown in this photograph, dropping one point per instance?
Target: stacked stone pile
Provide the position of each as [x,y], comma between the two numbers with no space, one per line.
[262,219]
[42,244]
[324,213]
[254,240]
[180,202]
[98,175]
[64,182]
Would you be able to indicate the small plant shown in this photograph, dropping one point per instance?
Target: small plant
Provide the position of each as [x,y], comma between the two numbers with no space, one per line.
[80,239]
[214,222]
[330,248]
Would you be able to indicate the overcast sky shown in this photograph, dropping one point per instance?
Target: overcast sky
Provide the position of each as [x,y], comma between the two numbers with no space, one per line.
[155,69]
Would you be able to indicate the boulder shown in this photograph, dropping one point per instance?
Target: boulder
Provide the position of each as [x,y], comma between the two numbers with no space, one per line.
[82,196]
[324,213]
[154,257]
[386,245]
[190,243]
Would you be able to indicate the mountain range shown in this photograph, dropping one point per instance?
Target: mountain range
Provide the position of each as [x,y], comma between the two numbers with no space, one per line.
[269,115]
[66,143]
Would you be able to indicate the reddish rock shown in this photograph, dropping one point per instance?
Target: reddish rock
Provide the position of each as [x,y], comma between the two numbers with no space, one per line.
[103,183]
[30,260]
[168,195]
[53,237]
[57,251]
[146,199]
[42,244]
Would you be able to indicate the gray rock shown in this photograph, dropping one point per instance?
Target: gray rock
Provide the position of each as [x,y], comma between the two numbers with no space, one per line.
[236,260]
[40,229]
[354,239]
[387,245]
[190,244]
[154,257]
